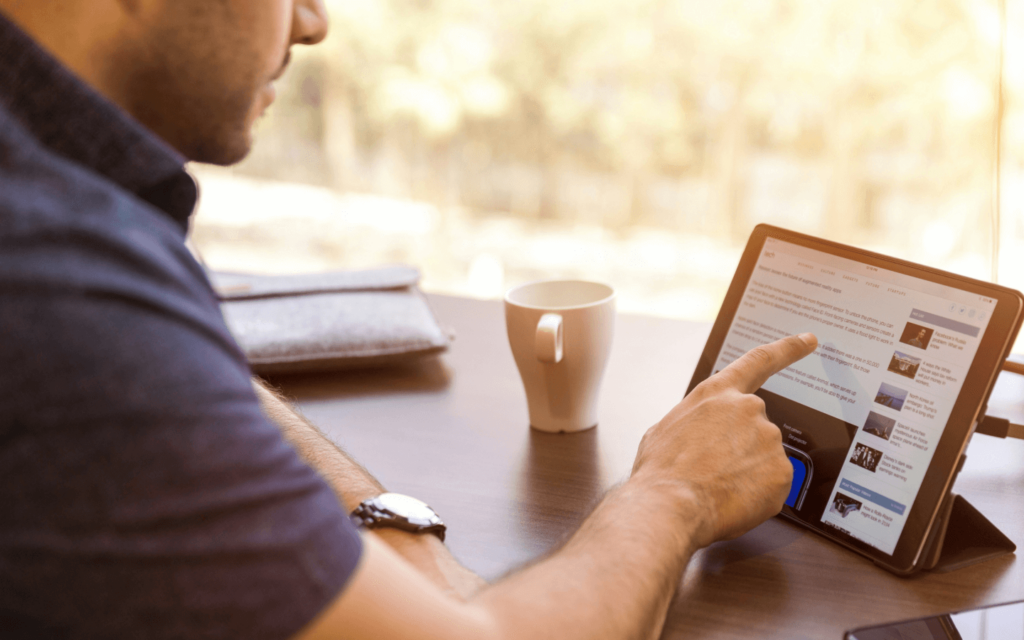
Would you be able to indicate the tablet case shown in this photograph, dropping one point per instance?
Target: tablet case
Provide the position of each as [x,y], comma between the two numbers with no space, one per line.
[962,536]
[329,321]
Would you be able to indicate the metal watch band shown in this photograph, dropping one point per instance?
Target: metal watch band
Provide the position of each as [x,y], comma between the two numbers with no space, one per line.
[359,520]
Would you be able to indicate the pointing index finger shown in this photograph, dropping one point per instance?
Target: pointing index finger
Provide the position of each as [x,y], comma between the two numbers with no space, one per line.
[752,369]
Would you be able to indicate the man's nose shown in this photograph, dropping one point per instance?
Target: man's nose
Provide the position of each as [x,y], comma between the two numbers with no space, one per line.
[309,24]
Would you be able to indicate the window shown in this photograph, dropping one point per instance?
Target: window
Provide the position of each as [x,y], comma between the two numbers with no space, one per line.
[633,142]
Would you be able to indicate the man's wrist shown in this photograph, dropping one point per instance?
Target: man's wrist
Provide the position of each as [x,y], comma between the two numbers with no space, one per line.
[429,555]
[354,491]
[680,503]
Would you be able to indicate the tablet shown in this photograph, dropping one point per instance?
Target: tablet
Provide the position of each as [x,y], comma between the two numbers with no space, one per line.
[875,422]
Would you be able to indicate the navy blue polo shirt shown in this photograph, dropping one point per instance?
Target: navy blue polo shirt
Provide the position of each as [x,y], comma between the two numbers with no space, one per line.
[143,494]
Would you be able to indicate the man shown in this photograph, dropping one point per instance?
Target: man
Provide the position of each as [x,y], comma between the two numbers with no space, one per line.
[145,492]
[920,339]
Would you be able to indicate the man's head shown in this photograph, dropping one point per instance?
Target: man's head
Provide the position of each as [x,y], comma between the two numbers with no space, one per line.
[199,73]
[921,334]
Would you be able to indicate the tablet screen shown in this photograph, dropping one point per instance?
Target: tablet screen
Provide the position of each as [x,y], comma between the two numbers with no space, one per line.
[861,418]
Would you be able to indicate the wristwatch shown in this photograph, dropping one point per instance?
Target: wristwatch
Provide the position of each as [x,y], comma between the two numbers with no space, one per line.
[398,511]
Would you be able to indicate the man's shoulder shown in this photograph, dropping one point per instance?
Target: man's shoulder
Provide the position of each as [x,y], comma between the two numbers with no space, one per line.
[42,188]
[65,227]
[78,253]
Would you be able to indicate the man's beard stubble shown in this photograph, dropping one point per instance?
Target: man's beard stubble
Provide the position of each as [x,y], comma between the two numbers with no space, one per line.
[192,94]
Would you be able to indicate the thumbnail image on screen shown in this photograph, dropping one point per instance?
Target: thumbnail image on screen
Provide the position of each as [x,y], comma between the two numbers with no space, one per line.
[904,365]
[916,336]
[879,425]
[844,505]
[866,457]
[890,396]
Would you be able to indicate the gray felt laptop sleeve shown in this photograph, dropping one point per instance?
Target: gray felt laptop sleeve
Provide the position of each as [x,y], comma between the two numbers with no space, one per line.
[324,321]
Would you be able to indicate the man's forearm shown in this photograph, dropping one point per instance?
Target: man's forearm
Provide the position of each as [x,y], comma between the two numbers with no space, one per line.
[639,584]
[353,484]
[350,481]
[614,578]
[711,469]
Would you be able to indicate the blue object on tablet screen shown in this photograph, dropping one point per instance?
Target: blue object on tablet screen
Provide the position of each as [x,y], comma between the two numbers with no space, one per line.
[799,475]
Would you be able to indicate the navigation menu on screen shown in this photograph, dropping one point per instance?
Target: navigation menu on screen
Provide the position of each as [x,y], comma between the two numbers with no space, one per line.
[863,415]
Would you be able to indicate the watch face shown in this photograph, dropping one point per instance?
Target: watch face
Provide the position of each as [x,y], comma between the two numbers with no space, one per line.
[410,508]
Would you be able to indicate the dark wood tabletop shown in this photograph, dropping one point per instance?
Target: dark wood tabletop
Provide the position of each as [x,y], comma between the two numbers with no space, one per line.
[453,431]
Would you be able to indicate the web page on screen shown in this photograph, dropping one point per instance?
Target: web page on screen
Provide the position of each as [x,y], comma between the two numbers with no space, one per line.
[864,413]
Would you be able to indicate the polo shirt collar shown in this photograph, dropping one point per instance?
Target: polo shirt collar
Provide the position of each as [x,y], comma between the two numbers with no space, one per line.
[75,121]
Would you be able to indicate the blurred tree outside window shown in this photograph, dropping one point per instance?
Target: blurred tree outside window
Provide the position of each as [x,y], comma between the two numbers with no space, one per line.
[636,142]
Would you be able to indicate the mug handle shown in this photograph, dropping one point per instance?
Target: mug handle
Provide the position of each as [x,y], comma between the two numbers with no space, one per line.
[548,342]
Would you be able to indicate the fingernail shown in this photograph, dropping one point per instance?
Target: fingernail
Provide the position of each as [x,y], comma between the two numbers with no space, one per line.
[809,339]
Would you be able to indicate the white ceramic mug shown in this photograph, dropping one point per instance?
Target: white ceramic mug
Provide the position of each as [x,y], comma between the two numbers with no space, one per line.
[560,332]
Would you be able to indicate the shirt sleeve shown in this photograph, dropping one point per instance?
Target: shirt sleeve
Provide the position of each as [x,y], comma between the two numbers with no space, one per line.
[144,493]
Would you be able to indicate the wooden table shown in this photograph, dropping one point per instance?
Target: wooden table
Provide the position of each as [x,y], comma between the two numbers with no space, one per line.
[453,431]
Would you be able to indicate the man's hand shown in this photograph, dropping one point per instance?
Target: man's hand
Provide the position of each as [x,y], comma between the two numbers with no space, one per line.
[712,469]
[718,445]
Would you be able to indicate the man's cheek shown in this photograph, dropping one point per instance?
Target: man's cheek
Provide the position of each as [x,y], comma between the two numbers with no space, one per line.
[266,31]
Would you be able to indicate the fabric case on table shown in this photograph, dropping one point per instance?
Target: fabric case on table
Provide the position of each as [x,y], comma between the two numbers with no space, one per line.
[325,321]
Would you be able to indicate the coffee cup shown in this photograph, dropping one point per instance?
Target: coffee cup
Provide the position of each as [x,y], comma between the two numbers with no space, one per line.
[560,332]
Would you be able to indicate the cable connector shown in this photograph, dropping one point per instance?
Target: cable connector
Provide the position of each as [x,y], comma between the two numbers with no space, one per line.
[1000,428]
[1014,364]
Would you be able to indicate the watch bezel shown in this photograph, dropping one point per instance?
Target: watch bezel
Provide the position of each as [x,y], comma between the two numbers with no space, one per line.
[430,516]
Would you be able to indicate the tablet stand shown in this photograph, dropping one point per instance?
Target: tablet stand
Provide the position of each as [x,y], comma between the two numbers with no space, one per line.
[961,537]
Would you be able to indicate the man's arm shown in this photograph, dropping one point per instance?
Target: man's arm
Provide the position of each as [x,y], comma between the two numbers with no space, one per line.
[353,484]
[614,579]
[712,469]
[350,481]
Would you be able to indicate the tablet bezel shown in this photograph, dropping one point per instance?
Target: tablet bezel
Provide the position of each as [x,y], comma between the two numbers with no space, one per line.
[979,381]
